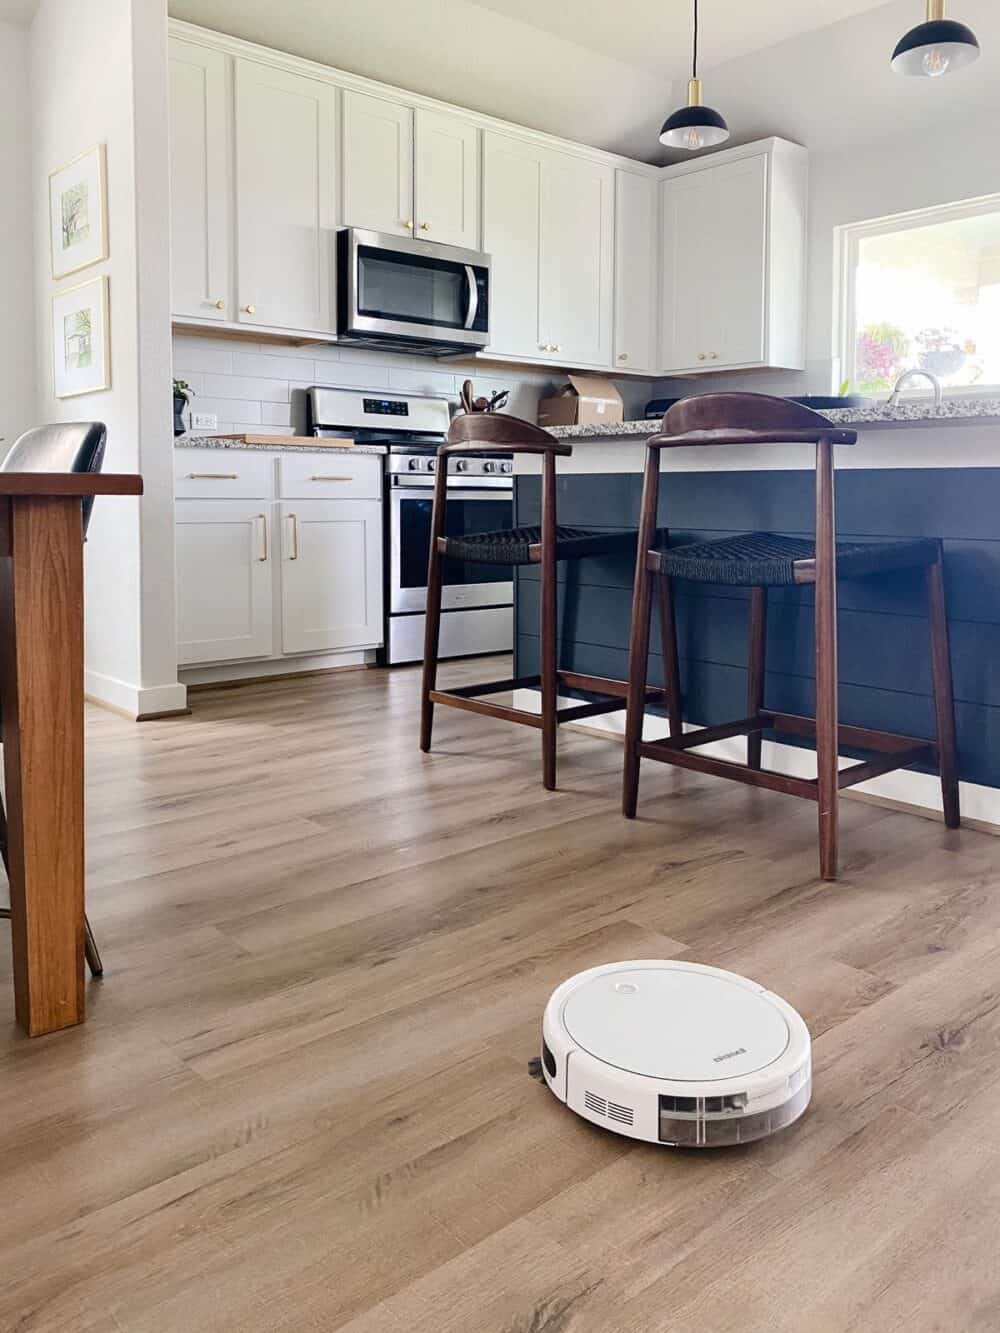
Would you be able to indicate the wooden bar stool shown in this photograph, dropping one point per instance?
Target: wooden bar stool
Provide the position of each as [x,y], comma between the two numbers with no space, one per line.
[479,433]
[763,560]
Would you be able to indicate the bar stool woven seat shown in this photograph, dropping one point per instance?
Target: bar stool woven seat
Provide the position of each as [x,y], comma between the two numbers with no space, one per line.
[767,559]
[522,546]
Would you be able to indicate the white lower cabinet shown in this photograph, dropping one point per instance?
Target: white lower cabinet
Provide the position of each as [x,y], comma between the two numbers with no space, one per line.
[331,575]
[259,577]
[225,604]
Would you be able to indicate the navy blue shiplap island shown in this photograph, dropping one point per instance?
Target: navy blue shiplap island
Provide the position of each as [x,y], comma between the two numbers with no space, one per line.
[916,471]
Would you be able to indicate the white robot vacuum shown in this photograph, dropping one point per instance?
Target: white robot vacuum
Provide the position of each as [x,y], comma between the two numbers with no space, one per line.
[676,1053]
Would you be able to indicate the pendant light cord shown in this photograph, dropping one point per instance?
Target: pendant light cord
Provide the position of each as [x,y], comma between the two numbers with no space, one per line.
[694,49]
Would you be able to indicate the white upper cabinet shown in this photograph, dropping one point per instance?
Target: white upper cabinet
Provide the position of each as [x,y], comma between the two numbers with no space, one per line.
[285,198]
[446,179]
[733,248]
[200,182]
[548,221]
[512,199]
[636,271]
[576,269]
[377,158]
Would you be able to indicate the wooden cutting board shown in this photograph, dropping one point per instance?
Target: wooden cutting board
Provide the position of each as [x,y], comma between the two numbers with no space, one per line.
[311,440]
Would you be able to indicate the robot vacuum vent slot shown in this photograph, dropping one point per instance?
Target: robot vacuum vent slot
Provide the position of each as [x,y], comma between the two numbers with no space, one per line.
[623,1114]
[594,1103]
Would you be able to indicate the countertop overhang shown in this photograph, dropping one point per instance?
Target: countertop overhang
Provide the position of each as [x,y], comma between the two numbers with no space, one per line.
[217,442]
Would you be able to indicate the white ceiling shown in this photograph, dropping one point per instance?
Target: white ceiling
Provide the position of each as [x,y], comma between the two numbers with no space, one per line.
[656,34]
[18,11]
[607,72]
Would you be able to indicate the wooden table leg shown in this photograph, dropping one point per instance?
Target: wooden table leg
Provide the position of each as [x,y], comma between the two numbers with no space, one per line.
[41,702]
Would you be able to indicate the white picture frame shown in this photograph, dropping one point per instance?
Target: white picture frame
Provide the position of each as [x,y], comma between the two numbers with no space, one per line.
[81,339]
[78,213]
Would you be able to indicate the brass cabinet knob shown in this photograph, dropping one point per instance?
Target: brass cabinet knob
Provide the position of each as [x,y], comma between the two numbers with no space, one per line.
[408,224]
[219,305]
[250,310]
[701,356]
[544,347]
[713,356]
[425,226]
[623,356]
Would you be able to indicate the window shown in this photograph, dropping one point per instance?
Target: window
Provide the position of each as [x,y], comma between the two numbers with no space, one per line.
[922,291]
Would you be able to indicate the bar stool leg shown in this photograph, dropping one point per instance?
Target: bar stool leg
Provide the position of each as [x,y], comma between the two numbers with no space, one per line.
[668,641]
[944,705]
[638,647]
[432,620]
[826,664]
[756,668]
[549,625]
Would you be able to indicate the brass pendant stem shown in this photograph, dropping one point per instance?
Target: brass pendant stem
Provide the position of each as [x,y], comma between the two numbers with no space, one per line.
[694,92]
[935,11]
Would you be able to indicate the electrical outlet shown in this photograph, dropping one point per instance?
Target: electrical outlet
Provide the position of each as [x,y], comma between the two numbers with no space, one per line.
[204,421]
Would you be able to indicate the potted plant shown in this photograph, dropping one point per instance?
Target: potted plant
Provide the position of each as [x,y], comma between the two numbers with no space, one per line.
[183,393]
[940,351]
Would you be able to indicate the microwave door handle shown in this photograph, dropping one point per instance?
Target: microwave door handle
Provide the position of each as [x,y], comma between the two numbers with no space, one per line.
[470,277]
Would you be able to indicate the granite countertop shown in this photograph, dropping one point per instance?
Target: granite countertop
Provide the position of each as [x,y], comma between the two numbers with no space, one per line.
[216,442]
[920,412]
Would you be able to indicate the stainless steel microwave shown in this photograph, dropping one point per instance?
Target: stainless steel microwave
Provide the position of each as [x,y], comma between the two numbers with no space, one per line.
[414,296]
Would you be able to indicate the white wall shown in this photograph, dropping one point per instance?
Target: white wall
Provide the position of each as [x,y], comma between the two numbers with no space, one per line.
[17,383]
[98,74]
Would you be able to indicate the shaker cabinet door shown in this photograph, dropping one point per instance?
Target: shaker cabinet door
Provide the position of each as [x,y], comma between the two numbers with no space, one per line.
[576,288]
[200,180]
[512,194]
[636,244]
[331,575]
[446,179]
[377,157]
[224,587]
[285,198]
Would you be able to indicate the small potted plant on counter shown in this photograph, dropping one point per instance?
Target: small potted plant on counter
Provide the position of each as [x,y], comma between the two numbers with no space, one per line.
[183,393]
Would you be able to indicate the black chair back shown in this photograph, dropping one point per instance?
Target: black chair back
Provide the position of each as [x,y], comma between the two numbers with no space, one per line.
[65,446]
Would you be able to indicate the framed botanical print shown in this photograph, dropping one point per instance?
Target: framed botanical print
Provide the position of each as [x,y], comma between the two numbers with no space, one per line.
[81,339]
[78,213]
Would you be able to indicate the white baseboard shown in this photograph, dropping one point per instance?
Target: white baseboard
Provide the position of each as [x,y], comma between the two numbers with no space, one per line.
[133,701]
[268,667]
[919,792]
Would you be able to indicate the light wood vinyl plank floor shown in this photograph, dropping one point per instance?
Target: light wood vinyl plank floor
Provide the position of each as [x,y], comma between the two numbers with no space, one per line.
[302,1101]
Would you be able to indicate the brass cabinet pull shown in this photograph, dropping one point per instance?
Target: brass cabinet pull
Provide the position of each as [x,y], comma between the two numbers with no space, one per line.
[318,477]
[213,476]
[425,226]
[249,310]
[408,224]
[263,550]
[295,538]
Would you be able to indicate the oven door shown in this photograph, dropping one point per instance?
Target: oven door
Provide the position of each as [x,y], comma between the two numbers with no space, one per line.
[395,288]
[465,583]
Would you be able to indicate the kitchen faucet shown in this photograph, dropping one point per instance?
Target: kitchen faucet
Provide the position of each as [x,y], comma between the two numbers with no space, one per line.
[906,376]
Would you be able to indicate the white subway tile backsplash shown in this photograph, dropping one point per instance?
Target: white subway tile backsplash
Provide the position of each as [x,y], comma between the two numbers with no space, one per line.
[232,411]
[422,380]
[276,414]
[247,387]
[265,366]
[261,384]
[196,354]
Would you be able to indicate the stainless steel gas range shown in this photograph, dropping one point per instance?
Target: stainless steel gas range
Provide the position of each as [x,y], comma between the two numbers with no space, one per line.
[477,599]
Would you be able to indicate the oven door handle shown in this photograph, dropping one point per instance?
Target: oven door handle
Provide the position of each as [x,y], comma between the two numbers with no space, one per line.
[470,278]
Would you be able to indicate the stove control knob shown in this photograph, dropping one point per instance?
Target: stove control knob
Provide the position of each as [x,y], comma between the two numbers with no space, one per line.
[461,465]
[506,467]
[431,464]
[414,465]
[490,468]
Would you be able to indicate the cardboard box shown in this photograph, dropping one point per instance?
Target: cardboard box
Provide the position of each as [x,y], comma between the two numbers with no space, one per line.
[587,400]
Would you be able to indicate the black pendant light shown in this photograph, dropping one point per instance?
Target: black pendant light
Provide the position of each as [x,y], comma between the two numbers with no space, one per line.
[936,47]
[694,126]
